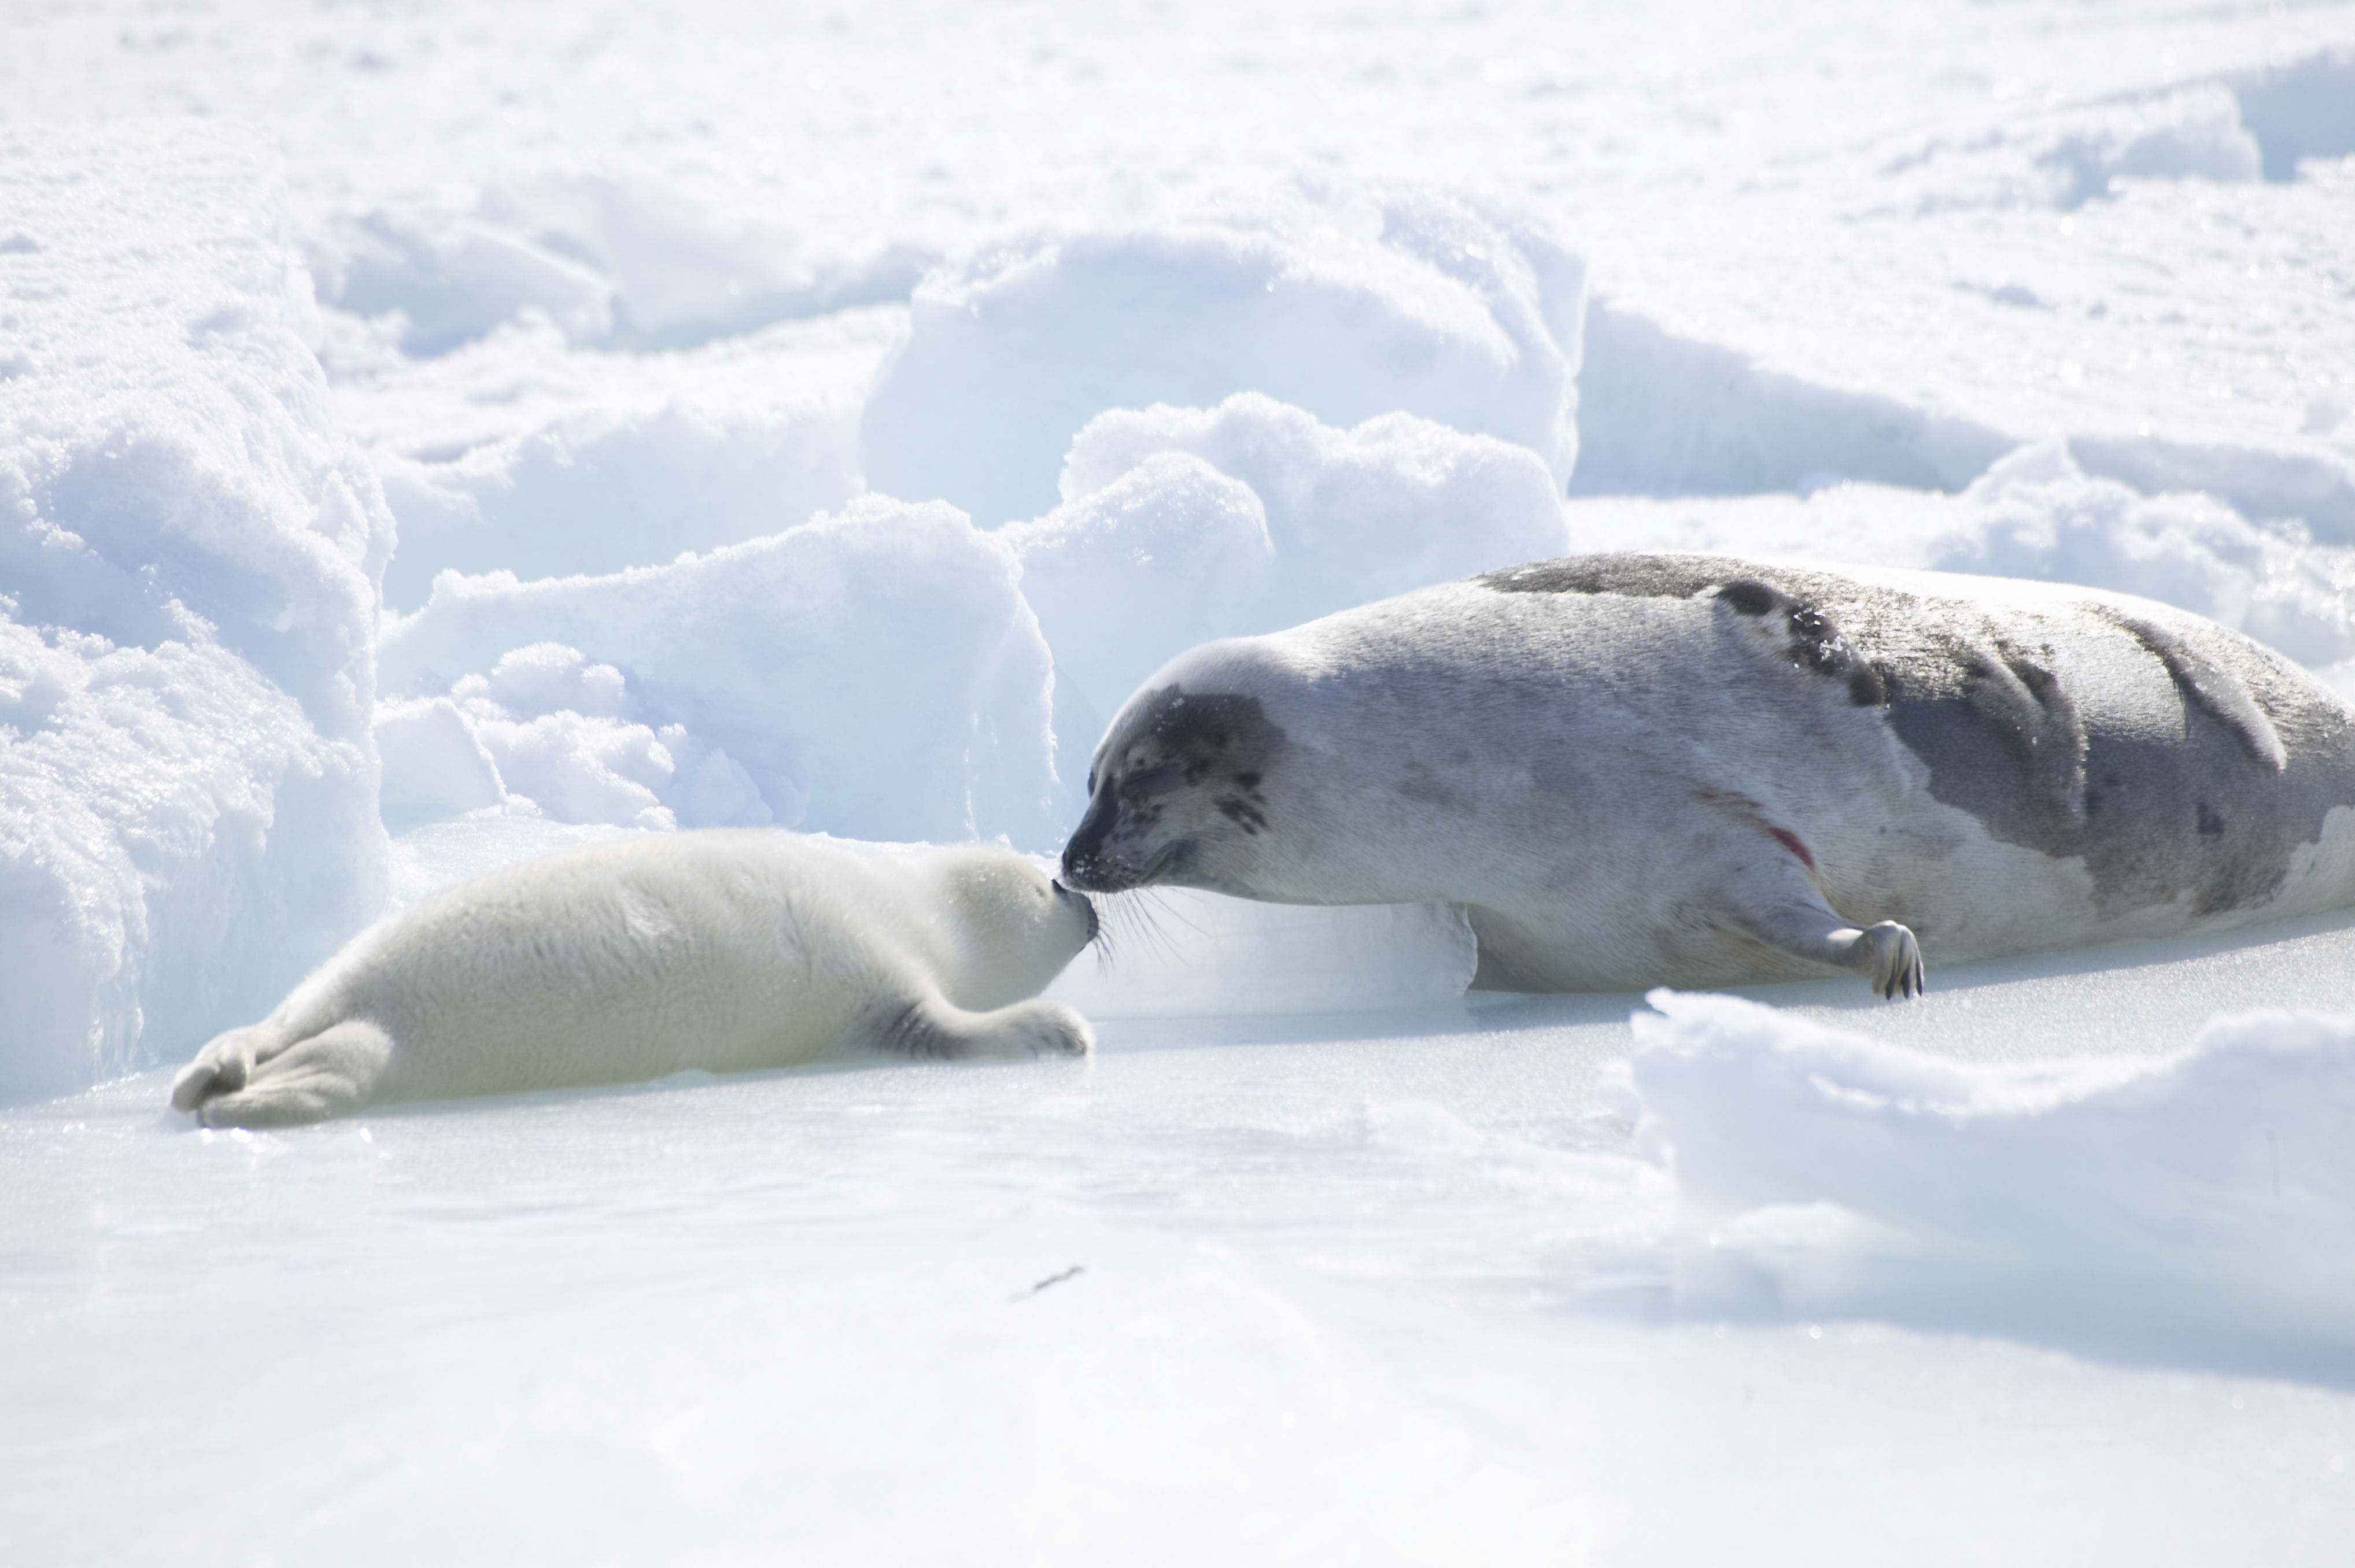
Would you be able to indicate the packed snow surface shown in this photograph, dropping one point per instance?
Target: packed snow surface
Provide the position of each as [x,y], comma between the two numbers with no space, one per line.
[432,437]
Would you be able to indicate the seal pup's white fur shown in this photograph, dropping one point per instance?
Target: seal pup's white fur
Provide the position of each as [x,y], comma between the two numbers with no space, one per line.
[724,950]
[1689,770]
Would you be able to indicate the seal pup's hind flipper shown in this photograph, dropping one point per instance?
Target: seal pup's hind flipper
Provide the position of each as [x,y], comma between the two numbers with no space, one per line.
[239,1081]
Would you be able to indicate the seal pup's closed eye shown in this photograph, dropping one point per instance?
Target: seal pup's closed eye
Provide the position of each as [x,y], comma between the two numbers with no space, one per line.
[722,949]
[1636,771]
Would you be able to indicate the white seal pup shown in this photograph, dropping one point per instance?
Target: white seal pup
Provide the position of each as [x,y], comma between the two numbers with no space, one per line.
[722,949]
[1688,770]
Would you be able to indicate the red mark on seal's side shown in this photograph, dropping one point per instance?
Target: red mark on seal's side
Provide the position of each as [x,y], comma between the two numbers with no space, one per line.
[1790,840]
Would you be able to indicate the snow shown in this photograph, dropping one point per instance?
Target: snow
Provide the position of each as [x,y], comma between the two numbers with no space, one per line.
[188,557]
[2200,1203]
[431,438]
[875,673]
[1349,305]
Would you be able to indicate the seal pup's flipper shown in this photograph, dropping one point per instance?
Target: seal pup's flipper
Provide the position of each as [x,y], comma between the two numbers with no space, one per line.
[238,1081]
[221,1067]
[1802,925]
[934,1029]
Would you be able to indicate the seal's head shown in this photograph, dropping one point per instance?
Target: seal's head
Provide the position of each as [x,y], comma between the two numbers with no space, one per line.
[1015,925]
[1179,793]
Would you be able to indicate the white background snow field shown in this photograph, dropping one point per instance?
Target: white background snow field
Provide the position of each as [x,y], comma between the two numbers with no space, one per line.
[430,434]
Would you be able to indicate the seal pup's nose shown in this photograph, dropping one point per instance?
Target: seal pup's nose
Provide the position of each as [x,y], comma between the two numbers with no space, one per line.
[1087,906]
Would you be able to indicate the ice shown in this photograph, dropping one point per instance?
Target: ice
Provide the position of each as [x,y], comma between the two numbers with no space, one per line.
[1177,952]
[2200,1204]
[519,453]
[2195,134]
[2303,110]
[1351,307]
[189,558]
[588,376]
[875,673]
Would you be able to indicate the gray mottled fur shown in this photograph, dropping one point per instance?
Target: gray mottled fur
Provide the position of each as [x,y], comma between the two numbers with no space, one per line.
[1686,769]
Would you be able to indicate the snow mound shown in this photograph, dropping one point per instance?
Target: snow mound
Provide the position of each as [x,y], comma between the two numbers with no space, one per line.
[1178,952]
[875,673]
[2036,514]
[188,563]
[2302,110]
[609,262]
[1179,525]
[2195,133]
[519,453]
[2200,1207]
[1349,308]
[1661,414]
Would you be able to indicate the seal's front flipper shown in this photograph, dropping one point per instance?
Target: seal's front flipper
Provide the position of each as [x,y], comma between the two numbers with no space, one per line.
[1801,923]
[332,1072]
[934,1030]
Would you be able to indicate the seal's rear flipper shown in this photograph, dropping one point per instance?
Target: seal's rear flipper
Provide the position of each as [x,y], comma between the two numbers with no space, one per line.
[1805,927]
[332,1072]
[221,1067]
[935,1029]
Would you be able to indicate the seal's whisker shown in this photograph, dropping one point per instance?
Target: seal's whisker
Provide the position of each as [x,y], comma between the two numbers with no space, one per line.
[1132,917]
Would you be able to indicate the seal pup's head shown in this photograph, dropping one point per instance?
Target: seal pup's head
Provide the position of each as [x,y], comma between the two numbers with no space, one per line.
[1179,793]
[1015,928]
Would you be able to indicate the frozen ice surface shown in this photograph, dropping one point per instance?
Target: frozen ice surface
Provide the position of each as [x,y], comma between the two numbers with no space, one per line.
[601,293]
[1373,1288]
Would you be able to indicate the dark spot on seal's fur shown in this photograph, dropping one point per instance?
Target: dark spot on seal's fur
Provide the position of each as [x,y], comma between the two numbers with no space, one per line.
[1748,596]
[1635,577]
[2197,678]
[1241,812]
[1867,687]
[2211,826]
[1816,641]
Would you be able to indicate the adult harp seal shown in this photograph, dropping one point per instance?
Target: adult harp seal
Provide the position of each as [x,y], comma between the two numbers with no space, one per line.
[1639,769]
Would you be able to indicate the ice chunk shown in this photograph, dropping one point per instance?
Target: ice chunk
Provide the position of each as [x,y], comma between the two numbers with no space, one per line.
[2195,133]
[2200,1205]
[1185,953]
[434,767]
[189,555]
[1661,413]
[1396,503]
[876,673]
[1348,308]
[2035,514]
[2302,110]
[683,272]
[448,282]
[520,453]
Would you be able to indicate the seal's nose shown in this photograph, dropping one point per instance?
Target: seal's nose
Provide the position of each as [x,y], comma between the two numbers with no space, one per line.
[1087,906]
